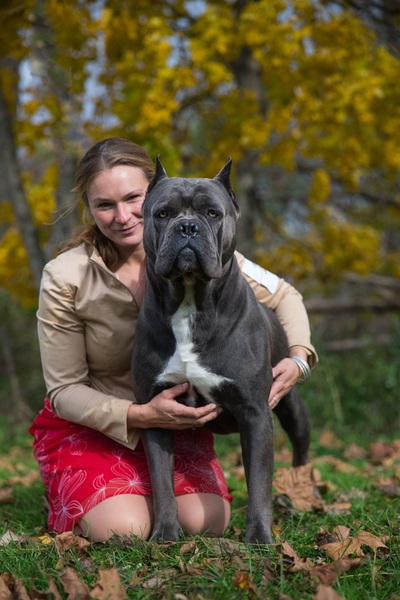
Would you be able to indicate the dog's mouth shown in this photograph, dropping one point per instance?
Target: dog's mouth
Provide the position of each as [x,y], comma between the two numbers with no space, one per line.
[188,261]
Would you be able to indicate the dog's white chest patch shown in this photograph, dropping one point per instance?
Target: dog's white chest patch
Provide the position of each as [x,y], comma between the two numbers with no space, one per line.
[184,363]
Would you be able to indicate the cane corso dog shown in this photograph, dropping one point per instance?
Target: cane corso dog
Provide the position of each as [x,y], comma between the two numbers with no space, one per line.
[200,322]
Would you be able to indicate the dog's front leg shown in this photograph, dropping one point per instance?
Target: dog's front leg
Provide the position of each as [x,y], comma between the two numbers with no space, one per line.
[256,434]
[159,446]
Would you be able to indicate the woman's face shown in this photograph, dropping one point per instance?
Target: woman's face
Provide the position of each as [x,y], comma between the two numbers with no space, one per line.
[115,199]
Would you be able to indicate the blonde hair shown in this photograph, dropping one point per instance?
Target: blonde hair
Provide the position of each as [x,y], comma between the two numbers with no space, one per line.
[104,155]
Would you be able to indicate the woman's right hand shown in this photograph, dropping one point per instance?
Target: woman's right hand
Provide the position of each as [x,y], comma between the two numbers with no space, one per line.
[165,412]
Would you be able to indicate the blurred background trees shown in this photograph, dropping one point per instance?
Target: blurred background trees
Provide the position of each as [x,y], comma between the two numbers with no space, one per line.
[305,97]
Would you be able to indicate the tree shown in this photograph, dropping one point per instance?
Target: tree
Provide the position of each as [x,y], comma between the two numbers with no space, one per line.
[298,93]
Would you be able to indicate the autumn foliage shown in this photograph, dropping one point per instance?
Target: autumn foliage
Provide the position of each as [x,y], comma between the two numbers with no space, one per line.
[299,93]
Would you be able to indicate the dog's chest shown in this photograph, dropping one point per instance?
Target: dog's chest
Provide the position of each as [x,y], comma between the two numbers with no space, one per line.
[184,364]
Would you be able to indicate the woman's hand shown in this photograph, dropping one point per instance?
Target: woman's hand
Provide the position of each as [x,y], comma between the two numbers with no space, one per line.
[165,412]
[285,374]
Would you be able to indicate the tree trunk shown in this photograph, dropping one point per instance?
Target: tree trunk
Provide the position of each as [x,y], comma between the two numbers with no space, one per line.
[12,185]
[20,411]
[248,77]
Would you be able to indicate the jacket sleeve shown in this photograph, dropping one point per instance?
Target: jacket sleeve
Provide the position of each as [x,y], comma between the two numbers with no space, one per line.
[285,301]
[65,367]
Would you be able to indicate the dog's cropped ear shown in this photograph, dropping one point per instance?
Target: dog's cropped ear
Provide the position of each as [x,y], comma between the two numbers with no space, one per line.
[223,177]
[159,174]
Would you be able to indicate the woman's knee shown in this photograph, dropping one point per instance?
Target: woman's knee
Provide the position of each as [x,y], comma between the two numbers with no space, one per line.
[203,513]
[126,514]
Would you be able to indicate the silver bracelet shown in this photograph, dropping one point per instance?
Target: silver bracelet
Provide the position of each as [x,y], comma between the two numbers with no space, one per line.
[304,368]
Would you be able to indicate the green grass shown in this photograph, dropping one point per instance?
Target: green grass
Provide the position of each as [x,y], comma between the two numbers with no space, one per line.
[204,568]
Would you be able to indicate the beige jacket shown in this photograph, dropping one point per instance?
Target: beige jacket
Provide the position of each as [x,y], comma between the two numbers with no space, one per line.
[86,325]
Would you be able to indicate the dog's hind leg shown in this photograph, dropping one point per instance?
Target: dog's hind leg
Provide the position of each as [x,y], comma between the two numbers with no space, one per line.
[294,419]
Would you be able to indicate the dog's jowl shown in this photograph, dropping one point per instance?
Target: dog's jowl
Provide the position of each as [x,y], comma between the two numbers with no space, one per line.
[200,322]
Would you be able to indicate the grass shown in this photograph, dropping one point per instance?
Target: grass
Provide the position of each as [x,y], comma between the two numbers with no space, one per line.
[203,568]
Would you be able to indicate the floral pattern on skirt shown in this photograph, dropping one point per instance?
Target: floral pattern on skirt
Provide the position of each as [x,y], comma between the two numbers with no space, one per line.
[81,467]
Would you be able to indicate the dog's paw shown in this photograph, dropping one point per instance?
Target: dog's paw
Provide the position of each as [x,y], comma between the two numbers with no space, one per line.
[259,536]
[167,533]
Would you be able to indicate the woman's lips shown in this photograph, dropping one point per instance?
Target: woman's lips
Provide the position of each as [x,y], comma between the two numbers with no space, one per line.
[128,230]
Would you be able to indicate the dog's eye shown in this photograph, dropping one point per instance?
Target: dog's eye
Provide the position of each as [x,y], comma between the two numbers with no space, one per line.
[162,214]
[213,214]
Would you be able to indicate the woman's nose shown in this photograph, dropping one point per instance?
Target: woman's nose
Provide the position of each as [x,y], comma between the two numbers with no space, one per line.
[122,213]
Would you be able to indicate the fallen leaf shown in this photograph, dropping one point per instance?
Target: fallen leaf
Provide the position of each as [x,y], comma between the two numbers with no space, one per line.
[327,574]
[189,548]
[9,536]
[158,580]
[6,496]
[338,465]
[327,593]
[329,440]
[46,540]
[5,592]
[68,540]
[109,586]
[244,581]
[74,587]
[345,545]
[299,484]
[292,563]
[336,508]
[52,592]
[384,452]
[391,490]
[19,591]
[26,479]
[354,451]
[269,572]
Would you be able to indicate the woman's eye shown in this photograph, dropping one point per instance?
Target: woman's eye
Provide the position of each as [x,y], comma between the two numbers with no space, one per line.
[213,213]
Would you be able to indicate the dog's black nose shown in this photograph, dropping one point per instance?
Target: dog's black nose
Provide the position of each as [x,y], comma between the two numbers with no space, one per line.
[187,228]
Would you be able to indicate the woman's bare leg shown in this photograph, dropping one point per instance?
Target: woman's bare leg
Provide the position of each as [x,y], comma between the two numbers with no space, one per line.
[132,514]
[122,515]
[203,513]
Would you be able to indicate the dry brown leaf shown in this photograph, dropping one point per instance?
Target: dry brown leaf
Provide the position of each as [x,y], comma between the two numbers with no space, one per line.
[329,440]
[158,580]
[345,545]
[391,490]
[189,548]
[75,587]
[52,592]
[6,496]
[354,451]
[299,484]
[337,507]
[108,587]
[9,536]
[327,593]
[5,592]
[291,561]
[327,574]
[244,581]
[68,540]
[26,479]
[339,465]
[19,592]
[269,571]
[384,453]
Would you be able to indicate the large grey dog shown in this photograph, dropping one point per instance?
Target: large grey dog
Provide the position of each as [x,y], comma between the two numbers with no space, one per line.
[200,322]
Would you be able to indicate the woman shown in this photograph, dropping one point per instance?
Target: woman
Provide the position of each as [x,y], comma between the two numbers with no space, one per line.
[87,436]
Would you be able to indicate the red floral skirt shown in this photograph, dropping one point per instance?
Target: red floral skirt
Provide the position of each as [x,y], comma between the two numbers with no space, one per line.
[81,467]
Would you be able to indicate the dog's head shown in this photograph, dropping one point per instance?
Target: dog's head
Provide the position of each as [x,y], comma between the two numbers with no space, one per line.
[190,224]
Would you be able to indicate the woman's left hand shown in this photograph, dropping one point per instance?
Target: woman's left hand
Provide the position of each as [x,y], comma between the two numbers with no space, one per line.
[285,374]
